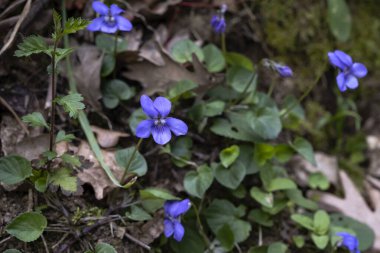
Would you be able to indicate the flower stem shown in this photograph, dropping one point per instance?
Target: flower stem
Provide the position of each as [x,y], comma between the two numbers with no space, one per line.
[130,161]
[204,236]
[223,43]
[53,96]
[304,95]
[115,53]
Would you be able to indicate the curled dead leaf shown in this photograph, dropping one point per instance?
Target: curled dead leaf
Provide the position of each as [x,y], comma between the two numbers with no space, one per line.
[107,138]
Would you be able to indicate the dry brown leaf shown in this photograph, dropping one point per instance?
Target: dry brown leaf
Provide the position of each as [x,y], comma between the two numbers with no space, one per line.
[87,68]
[354,205]
[153,6]
[107,138]
[373,143]
[95,175]
[328,165]
[158,78]
[10,134]
[149,230]
[32,147]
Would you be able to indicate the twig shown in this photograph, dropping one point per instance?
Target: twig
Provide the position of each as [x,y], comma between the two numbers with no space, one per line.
[61,240]
[6,239]
[11,8]
[138,242]
[45,244]
[24,13]
[6,105]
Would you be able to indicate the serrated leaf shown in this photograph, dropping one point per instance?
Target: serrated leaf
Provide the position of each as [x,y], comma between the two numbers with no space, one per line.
[62,178]
[71,103]
[61,53]
[27,227]
[72,160]
[32,45]
[73,25]
[57,20]
[214,58]
[14,169]
[183,51]
[35,119]
[197,182]
[62,136]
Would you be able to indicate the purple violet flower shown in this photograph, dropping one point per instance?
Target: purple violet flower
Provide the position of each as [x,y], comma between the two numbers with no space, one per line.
[349,241]
[284,71]
[349,71]
[110,20]
[159,125]
[172,221]
[218,22]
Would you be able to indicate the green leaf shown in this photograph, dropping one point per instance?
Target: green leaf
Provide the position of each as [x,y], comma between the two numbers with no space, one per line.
[320,241]
[213,108]
[266,123]
[277,247]
[73,25]
[230,177]
[72,160]
[222,212]
[339,19]
[281,184]
[27,227]
[136,117]
[35,119]
[264,198]
[318,180]
[61,53]
[104,248]
[107,43]
[108,65]
[181,88]
[303,221]
[137,165]
[295,195]
[197,182]
[264,152]
[138,214]
[236,59]
[14,169]
[71,104]
[12,251]
[261,217]
[183,50]
[241,79]
[304,148]
[115,91]
[62,178]
[214,58]
[298,240]
[32,45]
[192,242]
[228,155]
[225,235]
[57,19]
[321,222]
[62,136]
[154,198]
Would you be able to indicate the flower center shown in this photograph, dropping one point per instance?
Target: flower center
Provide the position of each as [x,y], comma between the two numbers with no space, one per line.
[110,20]
[159,122]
